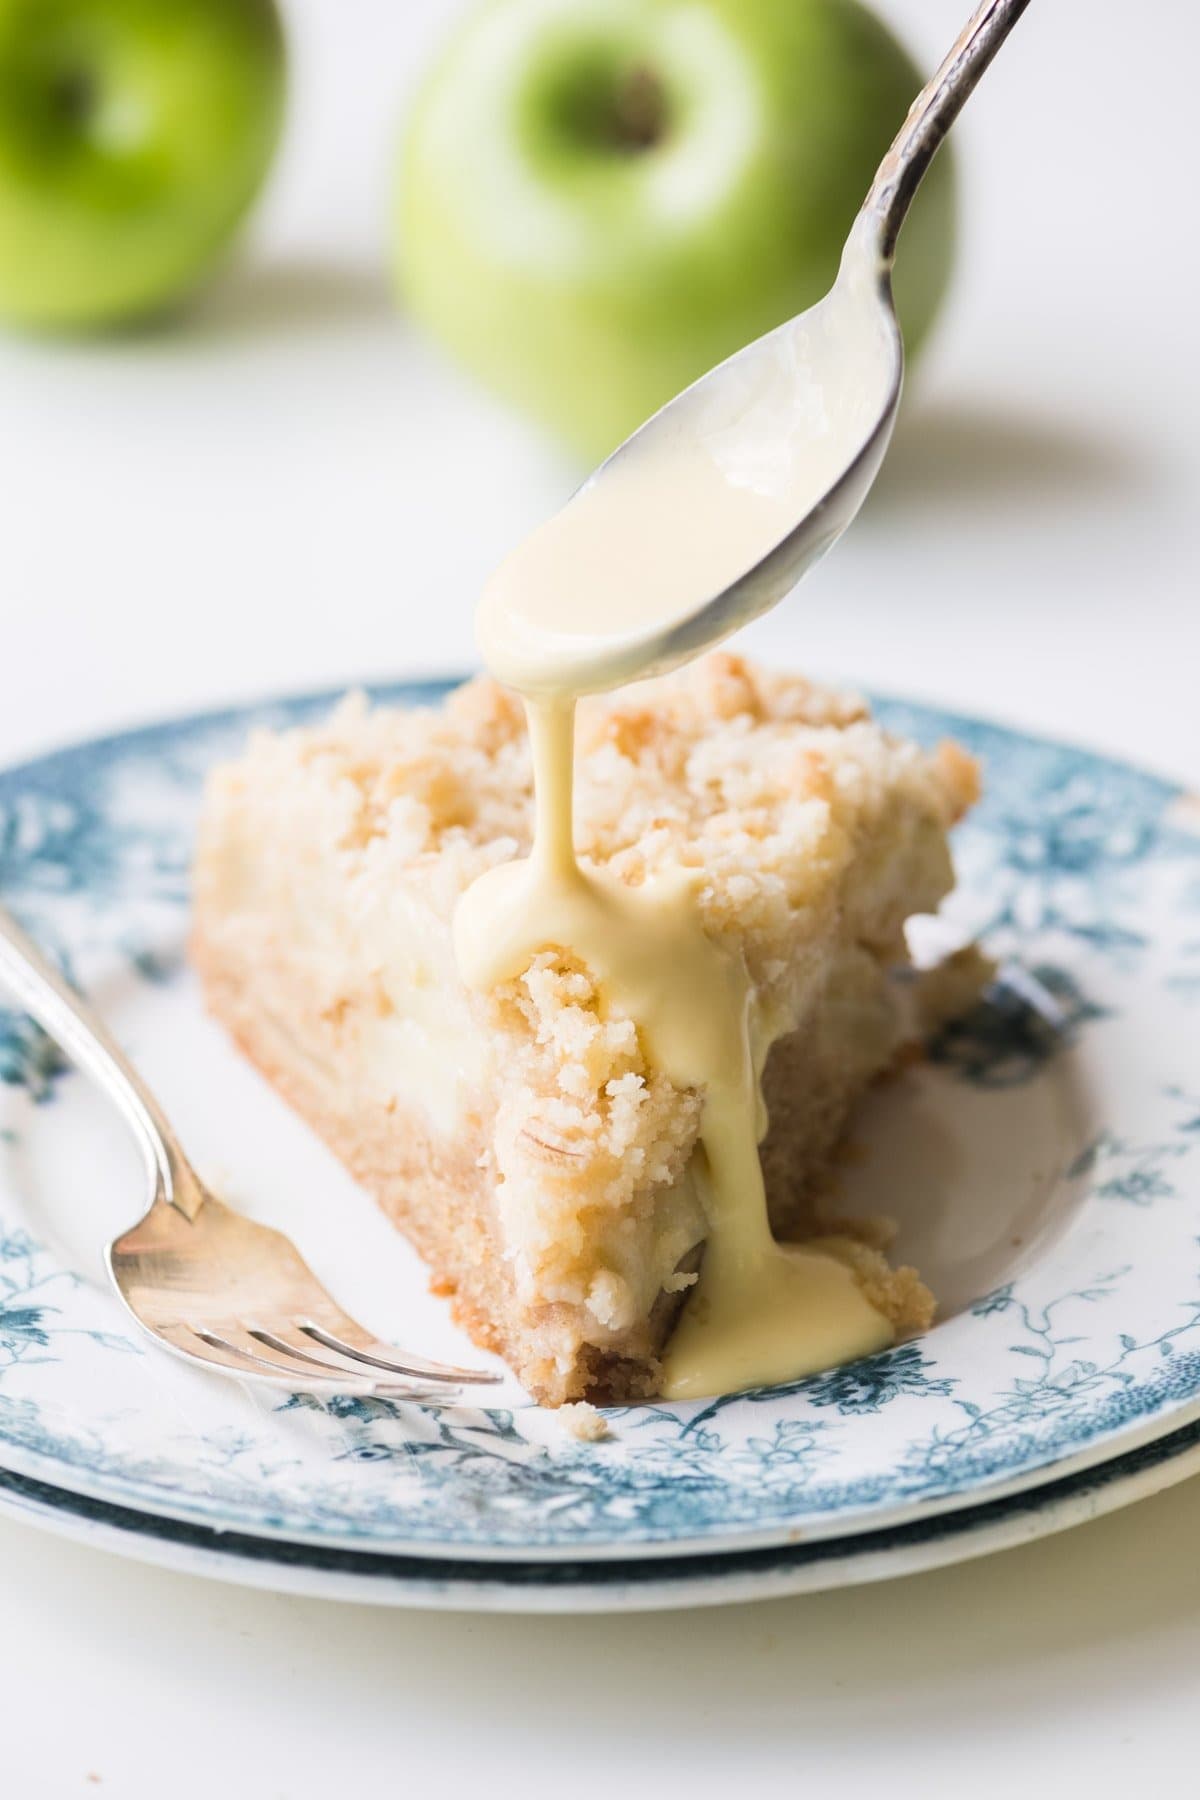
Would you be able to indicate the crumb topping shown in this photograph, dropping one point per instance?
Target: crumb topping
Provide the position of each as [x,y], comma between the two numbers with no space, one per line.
[816,833]
[580,1420]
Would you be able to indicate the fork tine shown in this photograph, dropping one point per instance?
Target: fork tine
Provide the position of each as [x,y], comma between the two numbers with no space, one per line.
[207,1348]
[391,1362]
[222,1348]
[252,1362]
[342,1371]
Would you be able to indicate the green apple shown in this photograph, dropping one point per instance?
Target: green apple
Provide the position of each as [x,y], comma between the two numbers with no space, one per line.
[133,136]
[600,199]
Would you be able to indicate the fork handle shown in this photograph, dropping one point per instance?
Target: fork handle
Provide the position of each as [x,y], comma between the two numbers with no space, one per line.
[50,999]
[929,119]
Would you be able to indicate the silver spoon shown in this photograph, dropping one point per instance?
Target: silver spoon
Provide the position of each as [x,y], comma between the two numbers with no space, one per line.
[801,417]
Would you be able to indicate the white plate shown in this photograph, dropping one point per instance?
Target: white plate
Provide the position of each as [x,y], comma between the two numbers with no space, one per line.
[1043,1165]
[644,1585]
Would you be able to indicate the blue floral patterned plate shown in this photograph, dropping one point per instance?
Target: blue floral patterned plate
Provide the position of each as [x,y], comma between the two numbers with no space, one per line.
[1044,1164]
[645,1584]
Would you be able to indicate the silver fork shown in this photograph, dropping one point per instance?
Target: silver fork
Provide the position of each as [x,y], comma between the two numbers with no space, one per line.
[202,1280]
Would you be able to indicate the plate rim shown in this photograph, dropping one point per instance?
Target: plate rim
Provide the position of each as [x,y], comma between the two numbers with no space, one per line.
[821,1530]
[718,1579]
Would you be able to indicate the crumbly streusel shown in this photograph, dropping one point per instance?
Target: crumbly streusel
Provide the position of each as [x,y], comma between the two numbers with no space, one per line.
[817,835]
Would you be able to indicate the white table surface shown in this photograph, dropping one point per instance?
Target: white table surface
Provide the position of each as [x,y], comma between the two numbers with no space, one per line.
[289,489]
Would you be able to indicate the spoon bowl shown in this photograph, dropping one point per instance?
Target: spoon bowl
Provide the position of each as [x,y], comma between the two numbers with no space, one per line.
[800,419]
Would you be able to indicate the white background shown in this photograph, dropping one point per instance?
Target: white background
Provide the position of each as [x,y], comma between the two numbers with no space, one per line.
[288,488]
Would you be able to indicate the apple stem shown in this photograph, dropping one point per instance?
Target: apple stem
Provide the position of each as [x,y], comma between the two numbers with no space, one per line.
[639,112]
[73,95]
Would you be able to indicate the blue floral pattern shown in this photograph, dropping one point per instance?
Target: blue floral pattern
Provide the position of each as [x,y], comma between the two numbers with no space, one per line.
[1086,881]
[867,1385]
[33,1316]
[28,1058]
[1026,1016]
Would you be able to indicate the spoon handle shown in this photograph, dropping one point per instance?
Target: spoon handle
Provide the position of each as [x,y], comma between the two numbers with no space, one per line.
[929,119]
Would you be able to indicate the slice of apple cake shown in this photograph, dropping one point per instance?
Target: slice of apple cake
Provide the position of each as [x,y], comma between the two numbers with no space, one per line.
[521,1139]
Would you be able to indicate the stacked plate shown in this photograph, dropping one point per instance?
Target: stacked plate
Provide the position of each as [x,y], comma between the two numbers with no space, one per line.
[1043,1163]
